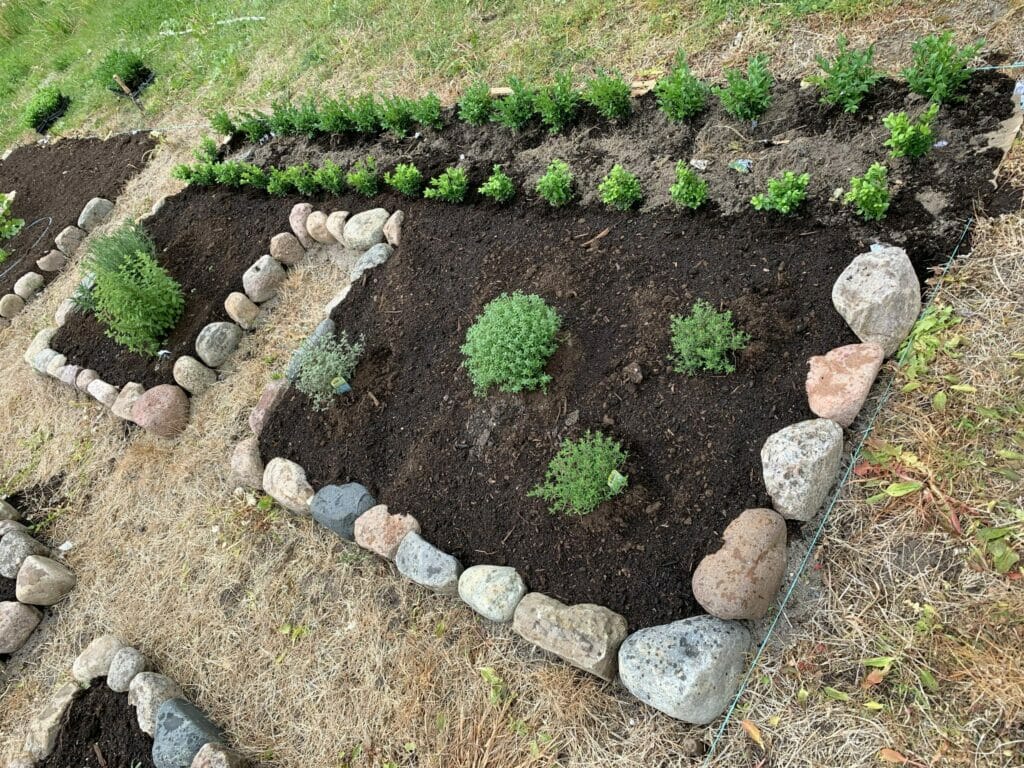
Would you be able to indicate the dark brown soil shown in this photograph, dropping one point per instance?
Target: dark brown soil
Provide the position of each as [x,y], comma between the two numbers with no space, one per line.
[7,591]
[54,182]
[100,731]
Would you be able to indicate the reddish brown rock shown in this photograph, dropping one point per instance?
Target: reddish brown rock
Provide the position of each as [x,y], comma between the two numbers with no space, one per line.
[838,383]
[393,229]
[381,532]
[273,393]
[162,410]
[247,465]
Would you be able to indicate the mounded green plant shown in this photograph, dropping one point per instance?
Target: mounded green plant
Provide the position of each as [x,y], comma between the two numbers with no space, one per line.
[406,178]
[222,123]
[288,119]
[499,187]
[509,344]
[620,189]
[555,185]
[336,116]
[939,69]
[330,178]
[254,126]
[450,186]
[869,194]
[362,177]
[476,105]
[909,138]
[557,104]
[396,114]
[848,77]
[426,111]
[199,174]
[681,95]
[747,96]
[127,65]
[9,225]
[705,340]
[689,189]
[784,194]
[44,107]
[324,365]
[367,114]
[609,95]
[207,151]
[515,110]
[296,178]
[583,474]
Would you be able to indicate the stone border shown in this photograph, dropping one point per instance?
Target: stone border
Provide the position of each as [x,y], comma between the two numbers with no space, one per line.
[182,734]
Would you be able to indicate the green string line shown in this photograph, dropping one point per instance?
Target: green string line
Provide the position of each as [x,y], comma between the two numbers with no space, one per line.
[828,511]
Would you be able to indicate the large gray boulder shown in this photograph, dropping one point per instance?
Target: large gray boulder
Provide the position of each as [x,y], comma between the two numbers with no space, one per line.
[95,213]
[42,581]
[365,229]
[800,464]
[337,507]
[420,561]
[181,731]
[17,621]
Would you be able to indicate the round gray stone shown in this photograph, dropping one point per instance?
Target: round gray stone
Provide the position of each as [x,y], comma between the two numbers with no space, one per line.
[69,239]
[337,506]
[800,464]
[181,731]
[15,546]
[365,229]
[263,278]
[42,581]
[192,376]
[216,342]
[28,285]
[420,561]
[17,622]
[126,664]
[95,213]
[7,511]
[10,305]
[493,591]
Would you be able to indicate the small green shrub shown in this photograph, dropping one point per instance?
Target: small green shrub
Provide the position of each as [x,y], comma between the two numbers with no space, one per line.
[557,104]
[426,111]
[910,139]
[396,115]
[324,365]
[280,182]
[222,123]
[681,95]
[848,77]
[620,189]
[704,340]
[609,95]
[939,69]
[583,474]
[406,178]
[336,117]
[555,185]
[9,225]
[784,194]
[330,178]
[362,177]
[296,178]
[287,119]
[229,174]
[367,114]
[44,108]
[207,151]
[127,65]
[498,187]
[509,344]
[476,105]
[254,126]
[869,194]
[450,186]
[746,97]
[199,174]
[515,110]
[689,189]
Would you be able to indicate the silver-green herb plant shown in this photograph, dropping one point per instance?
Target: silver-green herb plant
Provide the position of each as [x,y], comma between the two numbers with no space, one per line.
[705,340]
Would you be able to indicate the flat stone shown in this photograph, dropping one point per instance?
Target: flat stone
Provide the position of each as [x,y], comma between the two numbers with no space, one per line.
[286,248]
[69,376]
[69,239]
[493,591]
[741,580]
[316,225]
[95,213]
[689,669]
[374,257]
[297,221]
[585,635]
[10,305]
[163,411]
[15,547]
[126,664]
[192,376]
[42,581]
[216,342]
[838,383]
[879,297]
[41,362]
[366,229]
[17,621]
[339,297]
[39,342]
[95,660]
[800,464]
[272,394]
[181,731]
[103,392]
[42,729]
[64,311]
[125,401]
[28,285]
[337,507]
[336,225]
[285,482]
[147,692]
[85,377]
[393,229]
[324,328]
[247,465]
[420,561]
[54,261]
[381,532]
[241,309]
[8,512]
[218,756]
[263,278]
[55,366]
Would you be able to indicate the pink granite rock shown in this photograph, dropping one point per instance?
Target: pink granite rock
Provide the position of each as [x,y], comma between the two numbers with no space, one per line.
[162,410]
[297,220]
[381,532]
[272,395]
[838,383]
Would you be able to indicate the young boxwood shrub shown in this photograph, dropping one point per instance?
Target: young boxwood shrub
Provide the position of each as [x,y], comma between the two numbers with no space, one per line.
[498,187]
[939,69]
[222,123]
[45,108]
[515,110]
[747,96]
[583,474]
[869,194]
[336,116]
[329,178]
[557,104]
[367,114]
[476,105]
[362,177]
[406,178]
[509,344]
[620,189]
[681,95]
[910,139]
[784,194]
[609,95]
[848,77]
[324,365]
[287,119]
[450,186]
[254,126]
[296,178]
[704,340]
[396,115]
[555,185]
[128,66]
[426,111]
[689,189]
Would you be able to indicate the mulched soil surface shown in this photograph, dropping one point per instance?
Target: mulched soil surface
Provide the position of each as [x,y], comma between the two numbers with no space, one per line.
[100,731]
[53,183]
[7,590]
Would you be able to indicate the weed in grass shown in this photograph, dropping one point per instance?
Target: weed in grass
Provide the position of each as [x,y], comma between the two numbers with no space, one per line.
[609,95]
[939,69]
[583,474]
[515,110]
[329,178]
[498,187]
[325,364]
[869,194]
[45,108]
[681,95]
[557,104]
[362,177]
[405,178]
[689,189]
[555,185]
[705,340]
[450,186]
[746,97]
[128,66]
[476,105]
[785,193]
[620,189]
[848,78]
[908,138]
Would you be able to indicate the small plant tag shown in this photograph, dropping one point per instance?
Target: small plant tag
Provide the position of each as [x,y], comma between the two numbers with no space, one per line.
[617,481]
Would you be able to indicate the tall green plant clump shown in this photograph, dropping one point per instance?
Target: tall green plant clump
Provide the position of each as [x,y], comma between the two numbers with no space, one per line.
[680,95]
[127,65]
[44,108]
[609,95]
[848,78]
[747,96]
[939,69]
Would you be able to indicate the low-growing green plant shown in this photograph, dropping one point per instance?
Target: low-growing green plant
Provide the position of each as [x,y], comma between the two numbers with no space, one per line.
[199,174]
[9,225]
[609,95]
[207,151]
[939,69]
[367,114]
[557,104]
[476,105]
[254,126]
[869,194]
[784,194]
[229,174]
[362,177]
[515,110]
[848,77]
[406,178]
[910,138]
[498,187]
[44,108]
[704,340]
[620,189]
[336,116]
[287,119]
[426,111]
[450,186]
[555,185]
[330,178]
[324,365]
[747,96]
[222,123]
[396,115]
[128,66]
[509,344]
[681,95]
[583,474]
[296,178]
[689,189]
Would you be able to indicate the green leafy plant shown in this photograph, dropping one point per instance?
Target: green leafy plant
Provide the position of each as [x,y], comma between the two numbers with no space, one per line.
[254,126]
[620,189]
[128,66]
[681,95]
[689,189]
[498,187]
[336,116]
[869,194]
[704,340]
[746,97]
[450,186]
[609,95]
[199,174]
[324,365]
[583,474]
[557,104]
[509,344]
[45,107]
[9,225]
[367,114]
[426,111]
[515,110]
[848,77]
[329,178]
[298,178]
[555,185]
[222,123]
[287,119]
[229,174]
[784,194]
[910,138]
[362,177]
[939,69]
[476,105]
[396,115]
[406,178]
[207,151]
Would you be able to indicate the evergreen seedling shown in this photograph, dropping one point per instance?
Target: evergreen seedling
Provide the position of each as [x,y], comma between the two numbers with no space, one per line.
[515,110]
[910,138]
[362,177]
[784,194]
[681,95]
[207,151]
[620,189]
[869,194]
[747,96]
[336,117]
[939,69]
[329,178]
[689,189]
[476,105]
[405,178]
[324,365]
[427,111]
[367,114]
[396,115]
[555,185]
[848,77]
[44,107]
[557,104]
[128,66]
[221,122]
[583,474]
[609,95]
[498,187]
[704,340]
[450,186]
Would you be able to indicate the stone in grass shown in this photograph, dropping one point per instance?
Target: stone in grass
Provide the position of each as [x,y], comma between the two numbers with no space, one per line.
[336,225]
[688,669]
[94,661]
[43,360]
[247,465]
[85,377]
[364,230]
[879,296]
[838,383]
[241,309]
[55,367]
[17,621]
[42,729]
[7,526]
[393,229]
[104,393]
[130,392]
[39,342]
[374,257]
[263,278]
[316,225]
[218,756]
[7,511]
[493,591]
[741,579]
[69,376]
[95,213]
[64,311]
[14,548]
[147,692]
[192,376]
[162,411]
[381,532]
[10,305]
[337,507]
[286,249]
[54,261]
[285,482]
[297,221]
[800,463]
[181,731]
[272,394]
[422,562]
[28,285]
[69,239]
[126,664]
[216,342]
[325,328]
[42,581]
